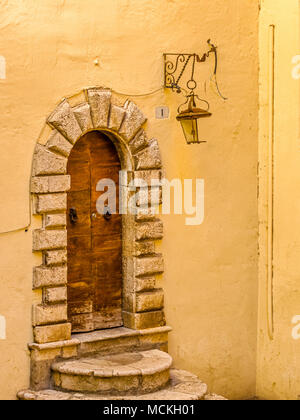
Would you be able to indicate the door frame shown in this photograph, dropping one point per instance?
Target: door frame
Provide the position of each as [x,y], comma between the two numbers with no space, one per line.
[97,109]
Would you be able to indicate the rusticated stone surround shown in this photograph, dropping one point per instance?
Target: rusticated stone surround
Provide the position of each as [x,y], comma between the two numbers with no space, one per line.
[140,157]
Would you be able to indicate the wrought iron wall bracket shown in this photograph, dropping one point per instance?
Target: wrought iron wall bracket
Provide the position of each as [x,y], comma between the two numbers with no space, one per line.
[176,64]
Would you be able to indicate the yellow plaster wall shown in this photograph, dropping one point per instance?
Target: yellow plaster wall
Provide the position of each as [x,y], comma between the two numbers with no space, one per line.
[210,280]
[278,363]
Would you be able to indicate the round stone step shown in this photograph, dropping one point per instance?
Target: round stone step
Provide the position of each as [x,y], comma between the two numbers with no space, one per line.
[139,372]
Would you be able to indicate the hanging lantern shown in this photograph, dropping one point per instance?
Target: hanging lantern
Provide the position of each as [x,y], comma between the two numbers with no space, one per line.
[176,67]
[189,120]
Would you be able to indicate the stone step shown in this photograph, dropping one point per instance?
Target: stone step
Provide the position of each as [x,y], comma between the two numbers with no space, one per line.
[137,372]
[122,340]
[182,386]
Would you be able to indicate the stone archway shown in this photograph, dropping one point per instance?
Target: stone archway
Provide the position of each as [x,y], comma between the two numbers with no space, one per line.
[140,159]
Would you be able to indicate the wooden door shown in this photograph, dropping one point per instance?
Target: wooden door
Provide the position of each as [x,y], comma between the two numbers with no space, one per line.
[94,243]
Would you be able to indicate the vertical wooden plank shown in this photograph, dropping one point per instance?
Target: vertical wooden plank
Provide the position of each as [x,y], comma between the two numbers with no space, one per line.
[94,244]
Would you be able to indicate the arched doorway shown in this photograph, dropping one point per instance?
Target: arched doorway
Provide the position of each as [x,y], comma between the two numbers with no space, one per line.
[94,240]
[93,115]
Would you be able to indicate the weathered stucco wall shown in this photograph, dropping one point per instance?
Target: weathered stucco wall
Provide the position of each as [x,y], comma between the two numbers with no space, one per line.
[278,367]
[210,278]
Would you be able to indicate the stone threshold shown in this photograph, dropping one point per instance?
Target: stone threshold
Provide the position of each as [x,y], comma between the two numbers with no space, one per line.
[99,336]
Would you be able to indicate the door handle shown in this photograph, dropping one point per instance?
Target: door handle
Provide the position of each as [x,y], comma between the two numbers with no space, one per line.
[107,214]
[73,215]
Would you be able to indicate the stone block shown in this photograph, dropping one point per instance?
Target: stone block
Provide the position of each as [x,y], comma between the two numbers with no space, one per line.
[64,120]
[48,163]
[55,295]
[148,158]
[149,230]
[149,265]
[144,248]
[150,301]
[40,377]
[83,115]
[145,214]
[49,314]
[51,333]
[55,220]
[143,284]
[50,184]
[49,239]
[49,276]
[99,100]
[149,197]
[56,257]
[47,203]
[153,177]
[140,321]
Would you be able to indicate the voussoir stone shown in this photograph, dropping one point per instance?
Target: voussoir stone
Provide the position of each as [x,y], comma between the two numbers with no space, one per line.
[149,265]
[51,202]
[49,314]
[99,100]
[49,239]
[58,143]
[116,117]
[148,158]
[48,163]
[133,121]
[50,184]
[49,276]
[140,141]
[82,113]
[64,120]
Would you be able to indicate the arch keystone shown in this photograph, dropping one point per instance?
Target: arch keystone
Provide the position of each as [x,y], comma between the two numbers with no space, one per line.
[99,100]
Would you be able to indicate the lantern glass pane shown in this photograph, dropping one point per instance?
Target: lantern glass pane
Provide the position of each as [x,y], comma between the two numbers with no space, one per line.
[190,130]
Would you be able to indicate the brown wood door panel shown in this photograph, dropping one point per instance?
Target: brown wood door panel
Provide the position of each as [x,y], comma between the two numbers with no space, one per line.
[94,244]
[82,323]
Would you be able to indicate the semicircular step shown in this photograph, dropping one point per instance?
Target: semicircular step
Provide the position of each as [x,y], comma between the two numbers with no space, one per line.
[139,373]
